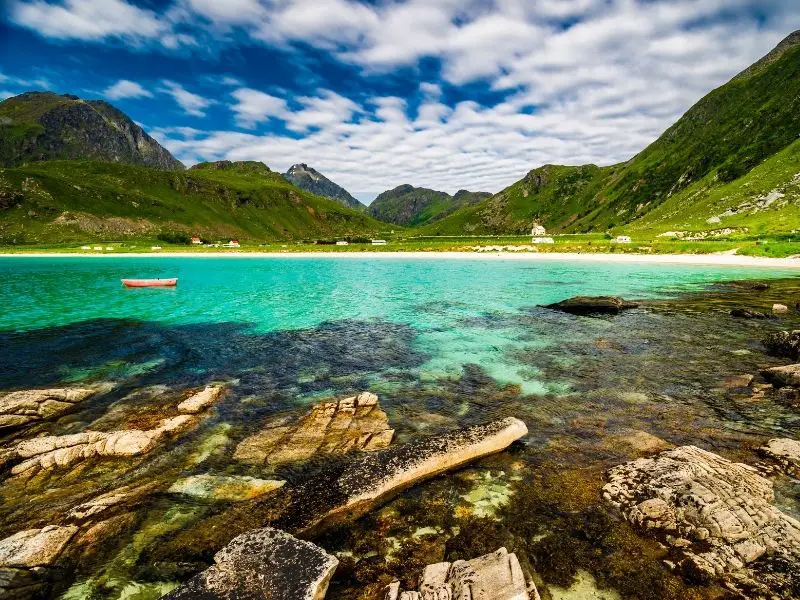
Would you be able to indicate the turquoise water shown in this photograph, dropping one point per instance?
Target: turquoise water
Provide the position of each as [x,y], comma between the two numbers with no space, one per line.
[443,342]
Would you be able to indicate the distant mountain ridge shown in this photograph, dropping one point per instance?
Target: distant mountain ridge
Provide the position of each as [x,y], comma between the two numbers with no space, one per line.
[37,126]
[719,141]
[412,206]
[311,180]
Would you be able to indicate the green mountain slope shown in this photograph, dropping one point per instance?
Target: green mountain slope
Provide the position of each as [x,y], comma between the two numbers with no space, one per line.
[721,139]
[413,206]
[61,201]
[44,126]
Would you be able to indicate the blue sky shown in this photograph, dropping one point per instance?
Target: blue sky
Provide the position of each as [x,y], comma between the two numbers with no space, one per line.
[439,93]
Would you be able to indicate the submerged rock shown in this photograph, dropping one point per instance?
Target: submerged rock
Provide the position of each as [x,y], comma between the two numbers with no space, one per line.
[355,423]
[591,305]
[259,564]
[29,406]
[345,493]
[718,514]
[788,375]
[201,400]
[785,344]
[104,504]
[784,451]
[496,576]
[27,557]
[220,487]
[63,451]
[746,313]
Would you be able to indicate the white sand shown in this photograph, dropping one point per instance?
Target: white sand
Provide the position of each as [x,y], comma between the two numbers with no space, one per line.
[730,260]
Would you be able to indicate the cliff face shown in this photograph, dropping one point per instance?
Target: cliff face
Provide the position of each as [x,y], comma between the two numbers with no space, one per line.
[311,180]
[39,126]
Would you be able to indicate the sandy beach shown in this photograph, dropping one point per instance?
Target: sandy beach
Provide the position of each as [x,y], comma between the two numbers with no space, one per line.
[731,260]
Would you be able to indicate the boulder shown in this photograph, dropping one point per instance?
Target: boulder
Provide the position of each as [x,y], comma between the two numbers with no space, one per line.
[780,309]
[496,576]
[63,451]
[352,424]
[719,515]
[201,400]
[227,488]
[346,491]
[785,344]
[746,313]
[592,305]
[260,564]
[788,375]
[30,406]
[784,451]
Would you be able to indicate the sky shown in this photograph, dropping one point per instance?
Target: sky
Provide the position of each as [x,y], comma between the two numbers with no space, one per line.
[444,94]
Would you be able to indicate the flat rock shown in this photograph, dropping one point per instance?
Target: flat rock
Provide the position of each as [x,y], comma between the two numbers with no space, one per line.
[785,344]
[35,547]
[30,406]
[719,514]
[784,451]
[63,451]
[738,381]
[331,428]
[496,576]
[347,491]
[591,305]
[107,503]
[221,487]
[201,400]
[260,564]
[788,375]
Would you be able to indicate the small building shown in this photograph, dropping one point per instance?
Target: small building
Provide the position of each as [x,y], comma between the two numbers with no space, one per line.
[538,230]
[155,247]
[86,247]
[342,243]
[543,240]
[622,239]
[98,248]
[231,244]
[378,242]
[196,240]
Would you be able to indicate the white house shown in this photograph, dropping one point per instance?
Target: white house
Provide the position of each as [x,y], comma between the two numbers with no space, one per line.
[231,244]
[196,240]
[543,240]
[378,242]
[537,230]
[622,239]
[342,243]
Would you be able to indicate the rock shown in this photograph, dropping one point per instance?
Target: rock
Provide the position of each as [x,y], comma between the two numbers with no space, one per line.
[723,509]
[352,424]
[641,441]
[590,305]
[62,451]
[345,492]
[785,344]
[738,381]
[219,487]
[746,313]
[780,309]
[788,375]
[201,400]
[106,503]
[35,547]
[784,451]
[29,406]
[496,576]
[260,564]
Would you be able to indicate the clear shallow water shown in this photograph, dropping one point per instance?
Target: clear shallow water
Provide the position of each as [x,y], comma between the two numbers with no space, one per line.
[443,343]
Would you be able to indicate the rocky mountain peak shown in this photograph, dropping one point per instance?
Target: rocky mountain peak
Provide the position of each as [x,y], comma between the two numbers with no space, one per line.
[311,180]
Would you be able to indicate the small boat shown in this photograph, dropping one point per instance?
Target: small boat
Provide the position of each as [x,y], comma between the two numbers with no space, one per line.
[150,282]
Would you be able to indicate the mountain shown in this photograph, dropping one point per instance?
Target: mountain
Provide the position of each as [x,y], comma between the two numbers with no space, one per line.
[718,142]
[313,181]
[412,206]
[37,126]
[84,201]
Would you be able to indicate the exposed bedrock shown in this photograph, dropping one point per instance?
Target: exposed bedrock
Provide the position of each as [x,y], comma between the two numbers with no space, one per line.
[352,424]
[260,564]
[25,407]
[28,560]
[593,305]
[496,576]
[785,452]
[718,516]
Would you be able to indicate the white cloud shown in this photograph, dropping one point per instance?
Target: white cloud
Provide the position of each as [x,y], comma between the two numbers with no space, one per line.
[125,88]
[192,104]
[253,107]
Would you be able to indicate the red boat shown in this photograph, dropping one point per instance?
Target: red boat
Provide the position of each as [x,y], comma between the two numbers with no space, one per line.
[150,282]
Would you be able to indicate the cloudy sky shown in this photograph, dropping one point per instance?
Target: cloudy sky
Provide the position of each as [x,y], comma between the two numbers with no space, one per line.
[445,94]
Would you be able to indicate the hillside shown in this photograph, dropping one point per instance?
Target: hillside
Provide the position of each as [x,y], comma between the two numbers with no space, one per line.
[719,141]
[39,126]
[65,201]
[412,206]
[311,180]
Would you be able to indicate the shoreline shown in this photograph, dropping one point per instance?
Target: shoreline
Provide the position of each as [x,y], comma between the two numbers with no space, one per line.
[732,260]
